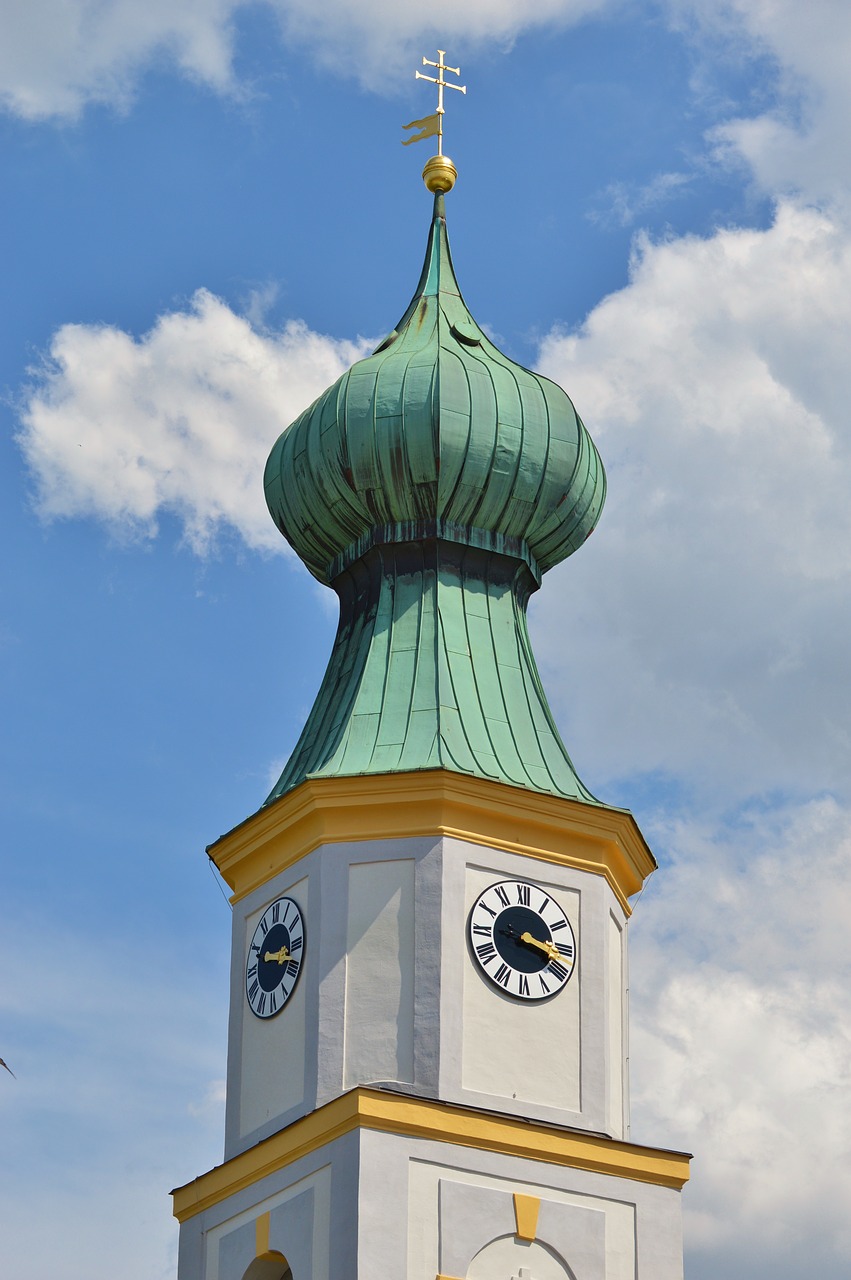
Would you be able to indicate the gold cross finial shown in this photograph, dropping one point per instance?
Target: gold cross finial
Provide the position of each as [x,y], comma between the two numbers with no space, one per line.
[439,173]
[441,85]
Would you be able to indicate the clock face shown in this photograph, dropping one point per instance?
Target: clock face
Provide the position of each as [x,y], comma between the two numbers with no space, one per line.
[275,954]
[522,940]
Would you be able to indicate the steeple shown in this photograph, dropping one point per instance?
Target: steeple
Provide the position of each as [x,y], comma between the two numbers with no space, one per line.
[431,486]
[428,1051]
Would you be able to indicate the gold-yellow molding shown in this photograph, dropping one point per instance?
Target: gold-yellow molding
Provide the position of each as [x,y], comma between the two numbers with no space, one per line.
[441,803]
[439,1122]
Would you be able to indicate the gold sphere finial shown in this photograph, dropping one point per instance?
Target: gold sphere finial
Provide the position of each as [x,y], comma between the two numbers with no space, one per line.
[439,174]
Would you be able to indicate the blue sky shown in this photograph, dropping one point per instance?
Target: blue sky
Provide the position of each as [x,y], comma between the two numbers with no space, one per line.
[206,216]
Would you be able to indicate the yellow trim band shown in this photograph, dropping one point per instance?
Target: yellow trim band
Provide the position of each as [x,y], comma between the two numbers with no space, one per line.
[434,802]
[261,1234]
[438,1122]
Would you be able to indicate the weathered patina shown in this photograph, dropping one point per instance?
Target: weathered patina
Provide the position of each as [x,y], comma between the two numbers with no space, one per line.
[431,486]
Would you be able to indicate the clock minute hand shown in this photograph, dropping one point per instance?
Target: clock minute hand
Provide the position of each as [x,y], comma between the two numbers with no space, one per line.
[281,956]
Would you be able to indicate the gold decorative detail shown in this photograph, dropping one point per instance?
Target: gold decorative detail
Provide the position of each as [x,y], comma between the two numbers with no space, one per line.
[429,127]
[391,1113]
[261,1235]
[437,176]
[442,84]
[262,1250]
[281,956]
[526,1215]
[435,802]
[439,173]
[549,949]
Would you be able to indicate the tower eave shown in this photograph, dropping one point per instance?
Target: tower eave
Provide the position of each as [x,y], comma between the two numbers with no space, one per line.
[390,1112]
[440,802]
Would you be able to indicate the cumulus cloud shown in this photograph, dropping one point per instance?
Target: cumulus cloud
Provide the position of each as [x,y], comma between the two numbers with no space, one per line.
[709,614]
[57,56]
[179,420]
[741,1048]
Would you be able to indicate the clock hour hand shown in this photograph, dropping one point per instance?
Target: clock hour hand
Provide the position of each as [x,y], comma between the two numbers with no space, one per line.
[281,956]
[549,949]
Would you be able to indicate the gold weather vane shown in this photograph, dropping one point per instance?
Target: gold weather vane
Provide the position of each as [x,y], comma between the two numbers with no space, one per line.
[439,173]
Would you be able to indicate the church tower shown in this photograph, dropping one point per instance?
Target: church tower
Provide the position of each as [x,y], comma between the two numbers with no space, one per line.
[427,1066]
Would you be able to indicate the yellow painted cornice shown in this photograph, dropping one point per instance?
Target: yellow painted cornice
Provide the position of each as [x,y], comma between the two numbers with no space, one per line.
[435,802]
[440,1122]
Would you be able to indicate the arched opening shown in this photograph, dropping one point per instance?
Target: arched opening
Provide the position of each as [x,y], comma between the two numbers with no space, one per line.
[272,1266]
[518,1260]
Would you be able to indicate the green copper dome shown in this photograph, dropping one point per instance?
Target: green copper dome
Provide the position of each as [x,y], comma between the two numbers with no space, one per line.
[436,434]
[431,486]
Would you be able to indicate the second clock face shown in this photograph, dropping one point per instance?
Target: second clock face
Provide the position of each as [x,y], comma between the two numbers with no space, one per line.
[275,955]
[522,940]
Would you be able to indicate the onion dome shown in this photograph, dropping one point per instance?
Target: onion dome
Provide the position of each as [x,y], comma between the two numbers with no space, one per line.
[436,434]
[431,486]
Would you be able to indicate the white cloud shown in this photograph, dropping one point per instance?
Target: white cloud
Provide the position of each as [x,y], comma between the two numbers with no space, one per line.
[178,421]
[800,143]
[741,1037]
[709,615]
[57,56]
[382,35]
[625,202]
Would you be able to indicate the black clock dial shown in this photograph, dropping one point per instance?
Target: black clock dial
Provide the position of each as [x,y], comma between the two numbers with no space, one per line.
[275,956]
[521,940]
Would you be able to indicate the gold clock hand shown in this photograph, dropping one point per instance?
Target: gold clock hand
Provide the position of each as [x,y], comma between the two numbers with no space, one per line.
[534,942]
[549,949]
[281,956]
